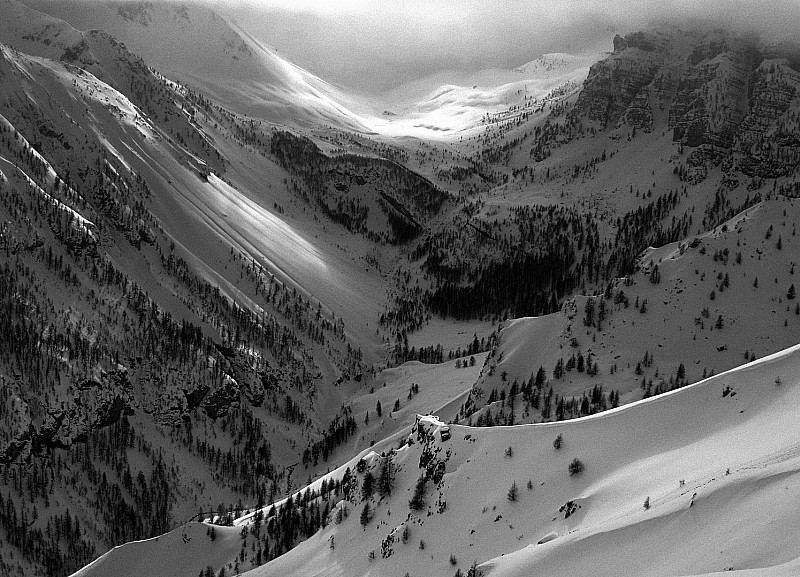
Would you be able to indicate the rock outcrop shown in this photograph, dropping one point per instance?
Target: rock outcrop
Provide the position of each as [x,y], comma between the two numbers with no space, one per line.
[99,402]
[619,81]
[219,401]
[725,96]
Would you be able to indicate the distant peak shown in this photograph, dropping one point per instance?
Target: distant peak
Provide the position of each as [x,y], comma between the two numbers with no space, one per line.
[139,12]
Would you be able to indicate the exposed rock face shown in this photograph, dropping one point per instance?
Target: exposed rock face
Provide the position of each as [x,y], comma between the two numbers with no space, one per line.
[724,96]
[711,99]
[619,43]
[218,402]
[194,397]
[99,402]
[254,392]
[768,139]
[615,83]
[639,113]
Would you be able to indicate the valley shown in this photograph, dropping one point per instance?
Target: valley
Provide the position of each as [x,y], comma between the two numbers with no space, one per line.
[540,319]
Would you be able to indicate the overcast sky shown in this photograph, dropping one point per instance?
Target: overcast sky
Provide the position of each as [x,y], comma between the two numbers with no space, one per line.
[376,44]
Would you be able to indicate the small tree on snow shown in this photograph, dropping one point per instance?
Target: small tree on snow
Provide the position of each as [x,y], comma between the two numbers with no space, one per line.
[366,515]
[647,503]
[512,492]
[558,442]
[417,502]
[575,467]
[386,478]
[368,485]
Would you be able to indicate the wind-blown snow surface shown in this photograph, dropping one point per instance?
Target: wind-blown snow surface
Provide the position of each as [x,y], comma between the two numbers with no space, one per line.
[719,461]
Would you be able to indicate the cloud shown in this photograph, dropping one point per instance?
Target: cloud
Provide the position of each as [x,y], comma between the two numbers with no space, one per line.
[309,6]
[374,45]
[381,45]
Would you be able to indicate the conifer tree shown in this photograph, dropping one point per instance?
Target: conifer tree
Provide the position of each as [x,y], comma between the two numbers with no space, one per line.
[512,492]
[386,478]
[418,500]
[368,485]
[366,516]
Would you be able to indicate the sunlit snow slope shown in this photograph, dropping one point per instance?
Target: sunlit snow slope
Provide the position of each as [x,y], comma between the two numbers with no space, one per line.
[448,105]
[193,44]
[719,462]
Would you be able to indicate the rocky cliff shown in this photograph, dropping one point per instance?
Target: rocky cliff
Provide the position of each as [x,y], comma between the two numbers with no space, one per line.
[722,95]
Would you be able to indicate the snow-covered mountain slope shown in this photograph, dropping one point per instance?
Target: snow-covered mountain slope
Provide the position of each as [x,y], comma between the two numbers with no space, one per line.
[720,300]
[196,213]
[194,45]
[233,293]
[708,461]
[99,177]
[716,463]
[452,106]
[34,32]
[189,548]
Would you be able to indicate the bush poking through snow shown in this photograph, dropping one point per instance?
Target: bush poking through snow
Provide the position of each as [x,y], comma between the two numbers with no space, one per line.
[558,442]
[647,503]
